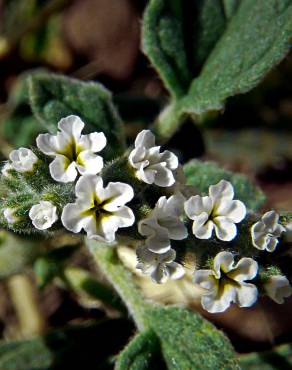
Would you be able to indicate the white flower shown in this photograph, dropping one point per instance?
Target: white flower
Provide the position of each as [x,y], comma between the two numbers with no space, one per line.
[5,169]
[278,288]
[225,283]
[217,211]
[43,215]
[266,231]
[164,223]
[72,151]
[99,211]
[22,160]
[160,267]
[152,166]
[9,214]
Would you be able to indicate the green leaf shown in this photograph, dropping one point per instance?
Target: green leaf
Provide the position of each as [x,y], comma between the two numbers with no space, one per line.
[208,51]
[19,126]
[53,97]
[17,253]
[203,174]
[80,347]
[52,263]
[279,358]
[257,38]
[142,353]
[177,37]
[190,342]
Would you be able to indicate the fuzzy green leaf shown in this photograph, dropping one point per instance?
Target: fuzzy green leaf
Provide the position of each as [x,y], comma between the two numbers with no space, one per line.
[203,174]
[142,353]
[177,37]
[19,126]
[190,342]
[53,97]
[257,38]
[237,42]
[17,253]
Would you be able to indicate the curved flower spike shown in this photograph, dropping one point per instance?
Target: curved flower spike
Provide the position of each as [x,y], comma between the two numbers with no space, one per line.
[217,211]
[278,288]
[225,283]
[99,211]
[160,267]
[265,232]
[72,151]
[22,160]
[43,215]
[152,166]
[164,223]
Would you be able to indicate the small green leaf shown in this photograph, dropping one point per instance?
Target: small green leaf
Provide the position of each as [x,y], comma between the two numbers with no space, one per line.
[17,253]
[190,342]
[51,264]
[177,37]
[279,358]
[142,353]
[19,126]
[53,97]
[257,38]
[203,174]
[208,51]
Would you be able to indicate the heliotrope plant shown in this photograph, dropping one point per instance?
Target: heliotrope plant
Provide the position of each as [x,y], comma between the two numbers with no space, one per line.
[82,179]
[63,183]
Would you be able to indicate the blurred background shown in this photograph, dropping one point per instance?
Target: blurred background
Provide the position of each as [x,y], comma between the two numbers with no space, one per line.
[100,40]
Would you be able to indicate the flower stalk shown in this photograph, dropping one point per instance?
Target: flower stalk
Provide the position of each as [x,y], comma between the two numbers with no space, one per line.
[107,260]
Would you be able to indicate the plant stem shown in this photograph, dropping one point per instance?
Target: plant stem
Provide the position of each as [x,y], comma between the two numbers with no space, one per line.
[107,260]
[23,296]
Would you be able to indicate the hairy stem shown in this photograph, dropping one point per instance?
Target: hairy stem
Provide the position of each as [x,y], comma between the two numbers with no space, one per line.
[107,260]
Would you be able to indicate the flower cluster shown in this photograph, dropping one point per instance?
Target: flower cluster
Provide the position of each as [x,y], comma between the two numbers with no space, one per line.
[64,183]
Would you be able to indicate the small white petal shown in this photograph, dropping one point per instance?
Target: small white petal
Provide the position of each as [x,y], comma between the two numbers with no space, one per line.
[246,295]
[125,216]
[176,271]
[9,214]
[43,215]
[223,189]
[205,279]
[235,210]
[145,139]
[278,288]
[94,142]
[202,226]
[245,269]
[87,186]
[225,229]
[216,304]
[23,159]
[223,262]
[119,194]
[73,217]
[89,163]
[62,170]
[196,205]
[71,126]
[47,144]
